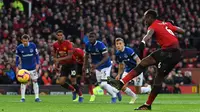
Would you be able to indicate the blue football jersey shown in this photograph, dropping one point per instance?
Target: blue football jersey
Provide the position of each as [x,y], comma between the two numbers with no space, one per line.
[96,51]
[29,56]
[127,56]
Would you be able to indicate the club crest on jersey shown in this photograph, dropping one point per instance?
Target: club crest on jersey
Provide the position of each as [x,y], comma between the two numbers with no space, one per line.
[96,50]
[65,48]
[31,50]
[125,55]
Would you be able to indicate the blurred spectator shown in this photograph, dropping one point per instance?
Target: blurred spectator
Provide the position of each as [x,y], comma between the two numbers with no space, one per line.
[170,78]
[17,4]
[187,79]
[150,74]
[10,72]
[164,88]
[178,78]
[1,4]
[4,78]
[46,79]
[177,89]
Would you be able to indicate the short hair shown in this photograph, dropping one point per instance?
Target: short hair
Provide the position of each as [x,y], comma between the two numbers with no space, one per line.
[151,12]
[59,31]
[92,33]
[25,36]
[119,39]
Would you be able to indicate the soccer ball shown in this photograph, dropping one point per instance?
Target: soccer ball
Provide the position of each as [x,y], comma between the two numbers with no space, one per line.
[23,76]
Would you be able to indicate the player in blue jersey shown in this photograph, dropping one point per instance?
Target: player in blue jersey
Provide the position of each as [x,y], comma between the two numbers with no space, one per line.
[27,54]
[101,64]
[128,59]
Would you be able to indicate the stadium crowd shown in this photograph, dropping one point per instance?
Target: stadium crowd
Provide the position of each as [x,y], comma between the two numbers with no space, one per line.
[109,18]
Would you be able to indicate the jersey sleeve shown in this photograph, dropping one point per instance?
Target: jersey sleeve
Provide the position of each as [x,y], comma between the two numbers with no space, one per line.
[69,47]
[102,48]
[86,49]
[132,53]
[18,55]
[54,48]
[171,27]
[36,54]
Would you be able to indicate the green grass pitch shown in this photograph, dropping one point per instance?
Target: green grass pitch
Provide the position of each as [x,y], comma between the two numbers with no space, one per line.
[163,103]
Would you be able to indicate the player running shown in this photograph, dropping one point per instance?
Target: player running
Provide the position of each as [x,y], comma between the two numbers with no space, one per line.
[127,57]
[101,64]
[165,58]
[79,57]
[27,53]
[63,51]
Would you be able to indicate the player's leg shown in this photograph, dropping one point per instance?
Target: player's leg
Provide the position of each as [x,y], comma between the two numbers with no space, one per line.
[23,91]
[34,76]
[103,84]
[146,88]
[89,81]
[138,81]
[115,93]
[128,91]
[74,83]
[149,60]
[65,71]
[168,59]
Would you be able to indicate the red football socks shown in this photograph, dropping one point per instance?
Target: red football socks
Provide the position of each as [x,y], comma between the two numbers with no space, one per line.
[90,87]
[129,76]
[70,87]
[151,98]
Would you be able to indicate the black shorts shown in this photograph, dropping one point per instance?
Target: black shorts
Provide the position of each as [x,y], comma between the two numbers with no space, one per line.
[68,69]
[166,59]
[79,69]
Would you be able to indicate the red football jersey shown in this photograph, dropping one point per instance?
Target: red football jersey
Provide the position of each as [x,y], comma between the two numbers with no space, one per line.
[78,55]
[164,33]
[62,49]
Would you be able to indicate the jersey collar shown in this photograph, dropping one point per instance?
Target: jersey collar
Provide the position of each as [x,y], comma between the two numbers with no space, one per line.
[26,46]
[94,43]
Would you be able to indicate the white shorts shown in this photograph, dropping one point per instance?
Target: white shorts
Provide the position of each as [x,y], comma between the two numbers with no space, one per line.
[103,74]
[34,75]
[138,81]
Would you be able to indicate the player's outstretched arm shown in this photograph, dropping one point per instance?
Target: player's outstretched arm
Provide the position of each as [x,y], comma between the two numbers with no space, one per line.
[180,30]
[149,34]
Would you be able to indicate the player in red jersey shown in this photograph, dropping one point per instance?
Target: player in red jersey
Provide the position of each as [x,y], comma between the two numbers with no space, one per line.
[79,56]
[165,58]
[63,55]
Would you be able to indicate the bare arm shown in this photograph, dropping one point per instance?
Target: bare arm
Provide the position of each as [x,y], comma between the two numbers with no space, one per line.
[180,30]
[120,68]
[85,63]
[137,59]
[149,34]
[105,58]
